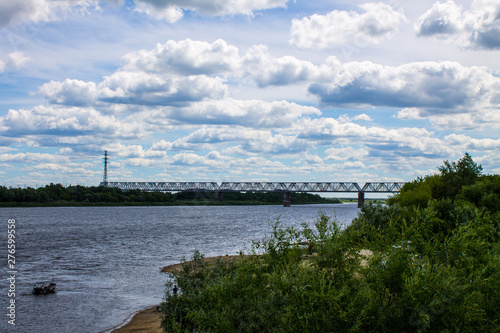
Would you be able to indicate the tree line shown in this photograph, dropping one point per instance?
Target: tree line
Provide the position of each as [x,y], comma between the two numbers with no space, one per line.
[428,261]
[57,194]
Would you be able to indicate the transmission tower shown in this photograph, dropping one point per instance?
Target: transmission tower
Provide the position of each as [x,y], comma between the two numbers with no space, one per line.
[105,178]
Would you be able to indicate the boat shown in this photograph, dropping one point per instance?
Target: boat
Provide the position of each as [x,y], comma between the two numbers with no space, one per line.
[41,288]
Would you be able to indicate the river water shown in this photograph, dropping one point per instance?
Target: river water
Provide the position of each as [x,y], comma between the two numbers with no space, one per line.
[106,261]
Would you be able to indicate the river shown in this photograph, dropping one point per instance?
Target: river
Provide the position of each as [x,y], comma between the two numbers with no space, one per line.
[106,261]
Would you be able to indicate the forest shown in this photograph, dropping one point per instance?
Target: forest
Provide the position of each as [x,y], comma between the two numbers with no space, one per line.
[58,195]
[427,261]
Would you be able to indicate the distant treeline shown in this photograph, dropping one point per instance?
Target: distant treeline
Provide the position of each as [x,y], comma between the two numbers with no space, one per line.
[58,195]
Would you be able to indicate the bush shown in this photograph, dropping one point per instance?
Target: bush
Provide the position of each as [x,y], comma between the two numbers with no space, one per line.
[434,266]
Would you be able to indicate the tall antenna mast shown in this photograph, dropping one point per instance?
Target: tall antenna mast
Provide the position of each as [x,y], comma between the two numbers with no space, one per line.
[105,178]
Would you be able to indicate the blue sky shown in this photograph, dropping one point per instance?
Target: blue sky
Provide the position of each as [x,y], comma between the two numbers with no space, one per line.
[225,90]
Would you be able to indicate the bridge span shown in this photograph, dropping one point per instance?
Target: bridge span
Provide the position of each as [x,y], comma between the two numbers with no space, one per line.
[287,188]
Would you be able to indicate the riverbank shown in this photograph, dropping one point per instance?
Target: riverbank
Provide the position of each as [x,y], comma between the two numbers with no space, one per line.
[145,321]
[149,320]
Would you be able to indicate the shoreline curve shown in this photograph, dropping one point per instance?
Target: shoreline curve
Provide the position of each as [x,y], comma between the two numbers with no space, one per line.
[149,320]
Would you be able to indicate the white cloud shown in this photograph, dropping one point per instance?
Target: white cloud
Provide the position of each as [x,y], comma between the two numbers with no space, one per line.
[14,61]
[442,19]
[32,158]
[150,89]
[173,10]
[22,11]
[169,14]
[394,142]
[135,88]
[134,151]
[346,154]
[477,28]
[311,160]
[250,113]
[245,141]
[467,121]
[487,118]
[267,70]
[378,21]
[174,73]
[60,122]
[185,57]
[410,114]
[198,83]
[362,117]
[434,88]
[464,142]
[70,92]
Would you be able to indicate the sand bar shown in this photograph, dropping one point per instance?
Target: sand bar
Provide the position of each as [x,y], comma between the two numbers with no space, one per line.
[149,320]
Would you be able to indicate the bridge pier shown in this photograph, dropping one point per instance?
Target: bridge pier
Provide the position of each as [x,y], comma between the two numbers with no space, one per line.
[287,199]
[361,199]
[219,196]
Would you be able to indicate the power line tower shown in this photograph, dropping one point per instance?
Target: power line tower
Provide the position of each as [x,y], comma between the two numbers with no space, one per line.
[105,178]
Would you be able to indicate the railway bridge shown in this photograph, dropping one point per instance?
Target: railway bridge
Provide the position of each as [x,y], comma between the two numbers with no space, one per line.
[287,188]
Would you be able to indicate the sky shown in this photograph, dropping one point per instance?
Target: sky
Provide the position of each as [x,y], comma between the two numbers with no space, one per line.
[239,90]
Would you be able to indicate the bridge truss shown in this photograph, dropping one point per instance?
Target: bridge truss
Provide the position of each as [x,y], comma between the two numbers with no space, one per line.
[375,187]
[285,187]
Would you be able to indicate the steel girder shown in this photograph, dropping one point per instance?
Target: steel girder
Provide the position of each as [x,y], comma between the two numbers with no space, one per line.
[383,187]
[289,187]
[164,186]
[256,186]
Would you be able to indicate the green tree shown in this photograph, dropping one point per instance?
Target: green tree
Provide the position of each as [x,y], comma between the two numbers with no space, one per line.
[434,266]
[455,175]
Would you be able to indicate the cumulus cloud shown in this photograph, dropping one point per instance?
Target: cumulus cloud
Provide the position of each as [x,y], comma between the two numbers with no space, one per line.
[13,61]
[249,113]
[193,89]
[403,141]
[135,88]
[442,19]
[268,70]
[173,10]
[32,157]
[434,87]
[477,28]
[377,22]
[70,92]
[244,141]
[465,142]
[410,114]
[61,122]
[362,117]
[436,90]
[22,11]
[135,153]
[174,73]
[185,57]
[346,154]
[150,89]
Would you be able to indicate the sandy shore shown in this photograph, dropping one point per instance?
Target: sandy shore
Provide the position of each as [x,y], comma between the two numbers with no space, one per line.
[145,321]
[149,320]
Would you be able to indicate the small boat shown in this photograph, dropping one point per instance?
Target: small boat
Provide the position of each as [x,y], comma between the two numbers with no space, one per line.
[41,288]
